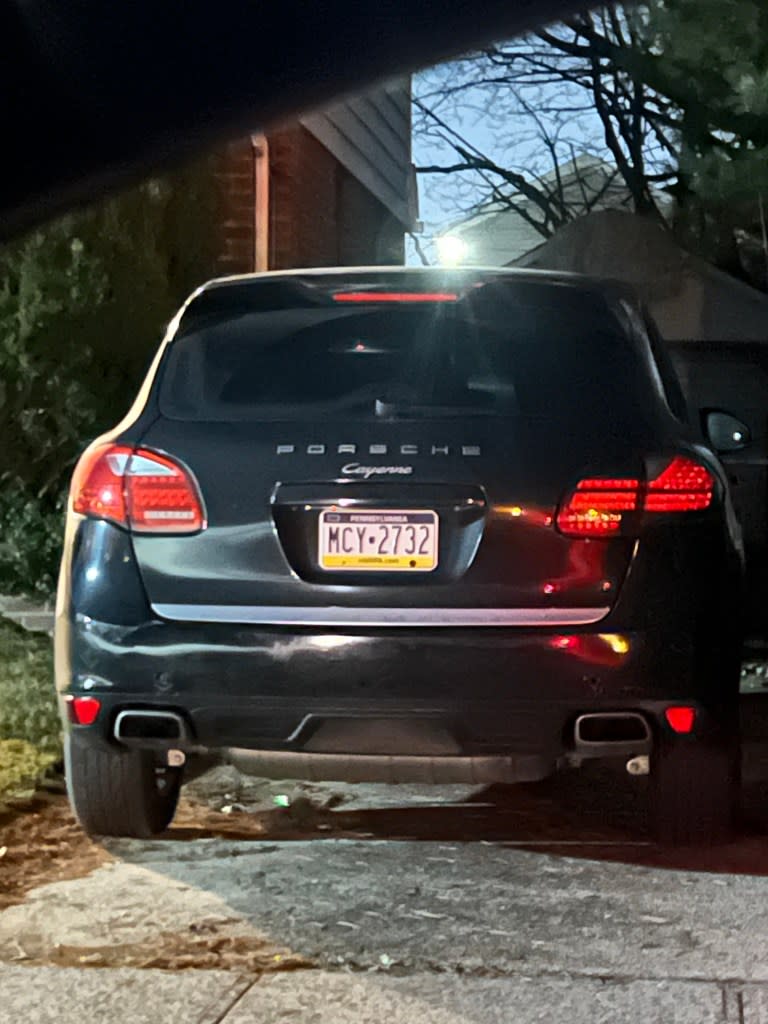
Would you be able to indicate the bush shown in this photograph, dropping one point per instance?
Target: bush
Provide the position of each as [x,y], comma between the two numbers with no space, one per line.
[30,732]
[83,304]
[48,400]
[21,767]
[27,695]
[30,542]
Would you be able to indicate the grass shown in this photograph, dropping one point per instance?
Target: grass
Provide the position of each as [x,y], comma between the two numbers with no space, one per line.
[30,733]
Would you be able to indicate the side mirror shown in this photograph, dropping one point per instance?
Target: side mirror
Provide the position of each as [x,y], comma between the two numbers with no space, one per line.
[725,432]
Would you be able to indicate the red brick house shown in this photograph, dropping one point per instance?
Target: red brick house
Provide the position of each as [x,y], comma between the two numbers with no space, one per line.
[334,188]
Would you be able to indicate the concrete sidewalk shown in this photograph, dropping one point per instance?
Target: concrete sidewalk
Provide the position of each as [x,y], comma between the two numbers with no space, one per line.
[384,932]
[35,616]
[72,996]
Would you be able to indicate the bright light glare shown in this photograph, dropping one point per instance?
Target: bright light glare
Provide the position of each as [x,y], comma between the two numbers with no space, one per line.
[329,643]
[618,644]
[451,250]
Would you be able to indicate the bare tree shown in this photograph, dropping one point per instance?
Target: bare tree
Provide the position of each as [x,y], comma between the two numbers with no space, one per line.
[575,89]
[670,96]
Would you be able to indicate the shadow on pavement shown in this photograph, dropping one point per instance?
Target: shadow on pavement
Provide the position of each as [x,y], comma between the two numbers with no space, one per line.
[598,813]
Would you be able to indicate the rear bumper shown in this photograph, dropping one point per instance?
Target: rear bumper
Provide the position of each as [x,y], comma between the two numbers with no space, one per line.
[391,704]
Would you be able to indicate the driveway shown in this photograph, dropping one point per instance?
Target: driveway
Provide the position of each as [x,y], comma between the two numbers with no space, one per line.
[545,903]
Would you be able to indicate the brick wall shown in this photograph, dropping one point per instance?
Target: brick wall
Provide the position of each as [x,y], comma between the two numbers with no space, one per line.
[303,201]
[234,179]
[320,215]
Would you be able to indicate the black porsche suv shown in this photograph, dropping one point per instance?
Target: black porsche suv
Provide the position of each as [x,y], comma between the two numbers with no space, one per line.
[401,525]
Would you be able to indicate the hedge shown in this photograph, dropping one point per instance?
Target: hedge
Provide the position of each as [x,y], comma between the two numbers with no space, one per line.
[83,304]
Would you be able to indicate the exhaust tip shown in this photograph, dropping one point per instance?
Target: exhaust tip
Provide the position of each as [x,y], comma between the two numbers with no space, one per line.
[150,727]
[606,728]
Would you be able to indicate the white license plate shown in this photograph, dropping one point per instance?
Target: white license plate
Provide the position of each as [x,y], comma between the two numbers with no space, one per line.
[383,540]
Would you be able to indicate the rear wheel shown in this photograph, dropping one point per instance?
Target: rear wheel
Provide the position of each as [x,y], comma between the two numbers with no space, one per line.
[694,791]
[117,792]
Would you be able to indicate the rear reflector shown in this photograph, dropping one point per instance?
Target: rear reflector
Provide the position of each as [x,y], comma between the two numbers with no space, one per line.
[83,710]
[148,492]
[681,719]
[597,507]
[395,297]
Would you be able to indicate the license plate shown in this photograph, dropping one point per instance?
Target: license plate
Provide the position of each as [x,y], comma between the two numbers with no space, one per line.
[383,540]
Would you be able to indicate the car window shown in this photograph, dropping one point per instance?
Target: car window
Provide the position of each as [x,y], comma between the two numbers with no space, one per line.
[496,352]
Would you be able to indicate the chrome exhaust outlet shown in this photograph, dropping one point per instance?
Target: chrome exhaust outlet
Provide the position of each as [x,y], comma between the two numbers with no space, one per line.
[151,729]
[611,733]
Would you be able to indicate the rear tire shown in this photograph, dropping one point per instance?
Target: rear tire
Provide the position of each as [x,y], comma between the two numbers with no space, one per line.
[116,792]
[694,791]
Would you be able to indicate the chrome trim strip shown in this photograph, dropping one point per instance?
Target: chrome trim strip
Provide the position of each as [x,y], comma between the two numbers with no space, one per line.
[277,615]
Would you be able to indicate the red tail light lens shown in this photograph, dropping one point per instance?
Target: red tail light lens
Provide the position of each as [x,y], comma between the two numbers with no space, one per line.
[83,710]
[161,496]
[681,719]
[684,486]
[97,483]
[141,489]
[596,508]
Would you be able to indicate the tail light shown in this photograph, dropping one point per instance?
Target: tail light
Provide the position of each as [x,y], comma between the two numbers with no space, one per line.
[140,489]
[598,507]
[684,486]
[373,297]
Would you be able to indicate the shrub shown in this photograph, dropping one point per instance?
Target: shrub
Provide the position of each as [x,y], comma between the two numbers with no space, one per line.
[27,697]
[30,542]
[83,303]
[21,767]
[30,733]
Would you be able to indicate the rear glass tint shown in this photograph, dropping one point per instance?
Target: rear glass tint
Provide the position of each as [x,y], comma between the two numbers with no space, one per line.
[502,350]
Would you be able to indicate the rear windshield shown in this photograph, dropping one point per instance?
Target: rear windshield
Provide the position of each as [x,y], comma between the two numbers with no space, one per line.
[499,351]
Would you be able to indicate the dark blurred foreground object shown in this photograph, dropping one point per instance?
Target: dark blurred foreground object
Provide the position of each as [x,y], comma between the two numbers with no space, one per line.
[96,95]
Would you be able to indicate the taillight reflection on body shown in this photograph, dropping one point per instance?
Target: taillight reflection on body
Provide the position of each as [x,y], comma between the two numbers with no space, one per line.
[597,507]
[600,649]
[141,489]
